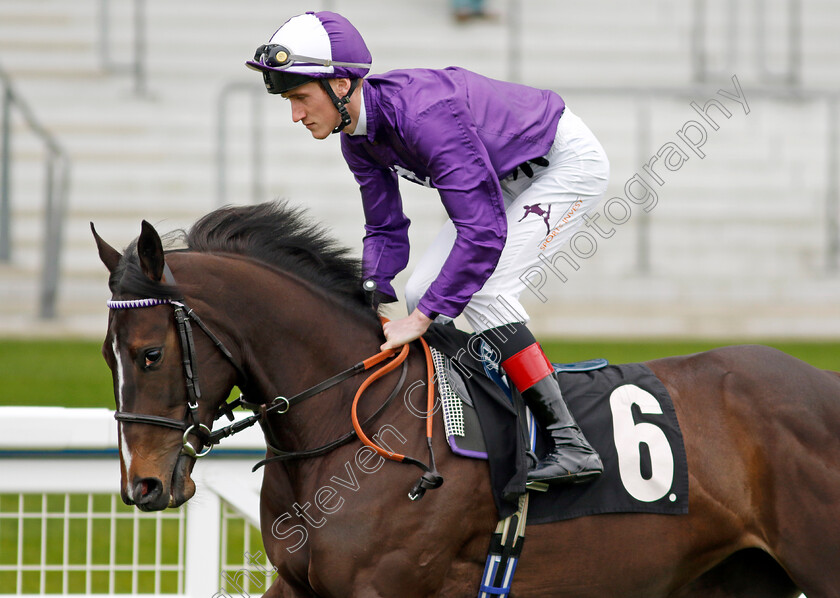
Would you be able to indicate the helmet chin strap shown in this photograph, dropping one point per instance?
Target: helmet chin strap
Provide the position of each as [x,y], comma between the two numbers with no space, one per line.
[340,103]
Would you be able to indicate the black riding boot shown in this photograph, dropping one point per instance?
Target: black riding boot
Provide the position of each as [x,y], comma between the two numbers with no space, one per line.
[572,459]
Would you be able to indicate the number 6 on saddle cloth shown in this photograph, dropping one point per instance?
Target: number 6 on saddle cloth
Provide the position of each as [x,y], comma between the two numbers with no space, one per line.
[624,410]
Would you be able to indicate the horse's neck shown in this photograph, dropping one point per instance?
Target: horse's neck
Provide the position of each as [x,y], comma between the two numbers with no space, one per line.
[290,337]
[305,339]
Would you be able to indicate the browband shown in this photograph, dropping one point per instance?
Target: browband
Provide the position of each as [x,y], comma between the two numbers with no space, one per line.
[149,302]
[132,303]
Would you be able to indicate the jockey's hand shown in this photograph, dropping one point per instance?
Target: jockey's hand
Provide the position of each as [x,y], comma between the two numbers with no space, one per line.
[403,331]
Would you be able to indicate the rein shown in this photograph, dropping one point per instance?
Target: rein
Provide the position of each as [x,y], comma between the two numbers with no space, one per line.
[191,424]
[431,478]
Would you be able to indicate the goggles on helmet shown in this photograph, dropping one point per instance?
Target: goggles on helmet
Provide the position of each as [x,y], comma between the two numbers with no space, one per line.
[273,60]
[276,56]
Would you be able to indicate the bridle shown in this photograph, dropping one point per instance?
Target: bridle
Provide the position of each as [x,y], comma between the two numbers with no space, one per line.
[190,423]
[207,438]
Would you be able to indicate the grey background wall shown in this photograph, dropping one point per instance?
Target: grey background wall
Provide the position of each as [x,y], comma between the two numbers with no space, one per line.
[739,241]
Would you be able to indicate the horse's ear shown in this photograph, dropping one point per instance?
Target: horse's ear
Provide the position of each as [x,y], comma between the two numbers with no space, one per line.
[150,251]
[109,256]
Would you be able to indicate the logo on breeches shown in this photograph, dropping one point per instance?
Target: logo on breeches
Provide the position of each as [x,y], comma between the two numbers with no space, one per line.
[537,210]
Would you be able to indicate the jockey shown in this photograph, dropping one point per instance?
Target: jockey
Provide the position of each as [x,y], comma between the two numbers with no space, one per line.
[493,150]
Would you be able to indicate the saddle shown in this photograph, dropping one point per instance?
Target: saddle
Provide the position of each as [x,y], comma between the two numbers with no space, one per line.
[624,411]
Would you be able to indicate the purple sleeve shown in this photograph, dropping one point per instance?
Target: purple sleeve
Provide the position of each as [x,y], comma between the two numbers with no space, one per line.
[445,137]
[385,245]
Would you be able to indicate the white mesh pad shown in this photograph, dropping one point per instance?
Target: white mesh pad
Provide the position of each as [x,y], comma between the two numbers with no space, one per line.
[453,413]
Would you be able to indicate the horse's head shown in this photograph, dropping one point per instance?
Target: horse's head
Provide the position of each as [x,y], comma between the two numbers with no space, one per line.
[154,354]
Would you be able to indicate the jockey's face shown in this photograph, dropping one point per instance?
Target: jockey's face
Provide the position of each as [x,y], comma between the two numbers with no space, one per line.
[312,106]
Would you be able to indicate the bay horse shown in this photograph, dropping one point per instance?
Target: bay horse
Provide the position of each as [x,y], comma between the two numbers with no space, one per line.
[281,310]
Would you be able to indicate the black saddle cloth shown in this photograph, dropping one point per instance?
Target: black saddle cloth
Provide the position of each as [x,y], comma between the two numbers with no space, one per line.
[624,411]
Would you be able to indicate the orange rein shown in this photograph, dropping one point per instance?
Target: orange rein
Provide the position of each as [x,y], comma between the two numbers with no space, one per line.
[378,358]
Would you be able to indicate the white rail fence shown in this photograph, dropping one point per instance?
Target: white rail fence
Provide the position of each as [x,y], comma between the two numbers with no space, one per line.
[65,531]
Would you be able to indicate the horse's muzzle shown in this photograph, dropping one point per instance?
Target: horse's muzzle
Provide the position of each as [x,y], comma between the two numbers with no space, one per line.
[148,494]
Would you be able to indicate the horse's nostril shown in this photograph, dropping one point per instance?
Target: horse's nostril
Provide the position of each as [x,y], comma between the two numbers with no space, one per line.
[147,490]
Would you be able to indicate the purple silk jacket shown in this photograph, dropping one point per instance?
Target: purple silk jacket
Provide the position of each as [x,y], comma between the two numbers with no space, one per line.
[460,133]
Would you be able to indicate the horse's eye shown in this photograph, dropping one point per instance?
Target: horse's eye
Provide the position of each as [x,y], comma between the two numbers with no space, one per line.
[152,356]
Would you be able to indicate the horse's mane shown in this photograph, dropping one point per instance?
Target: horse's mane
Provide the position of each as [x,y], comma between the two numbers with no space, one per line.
[273,233]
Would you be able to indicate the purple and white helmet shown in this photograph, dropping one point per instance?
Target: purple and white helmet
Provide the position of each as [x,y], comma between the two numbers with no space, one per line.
[314,45]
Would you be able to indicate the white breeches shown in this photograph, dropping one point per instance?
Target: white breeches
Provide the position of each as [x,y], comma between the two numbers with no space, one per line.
[543,213]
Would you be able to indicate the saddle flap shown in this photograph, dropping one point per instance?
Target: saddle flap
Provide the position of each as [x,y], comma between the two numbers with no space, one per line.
[461,423]
[456,382]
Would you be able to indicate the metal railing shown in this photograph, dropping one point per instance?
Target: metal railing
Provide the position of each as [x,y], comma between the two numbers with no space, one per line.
[702,70]
[832,188]
[257,94]
[137,64]
[56,188]
[699,42]
[255,144]
[642,98]
[792,73]
[513,18]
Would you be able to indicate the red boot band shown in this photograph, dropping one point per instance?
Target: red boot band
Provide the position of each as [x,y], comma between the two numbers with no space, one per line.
[527,367]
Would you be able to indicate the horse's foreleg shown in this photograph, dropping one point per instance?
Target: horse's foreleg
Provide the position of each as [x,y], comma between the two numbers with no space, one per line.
[290,565]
